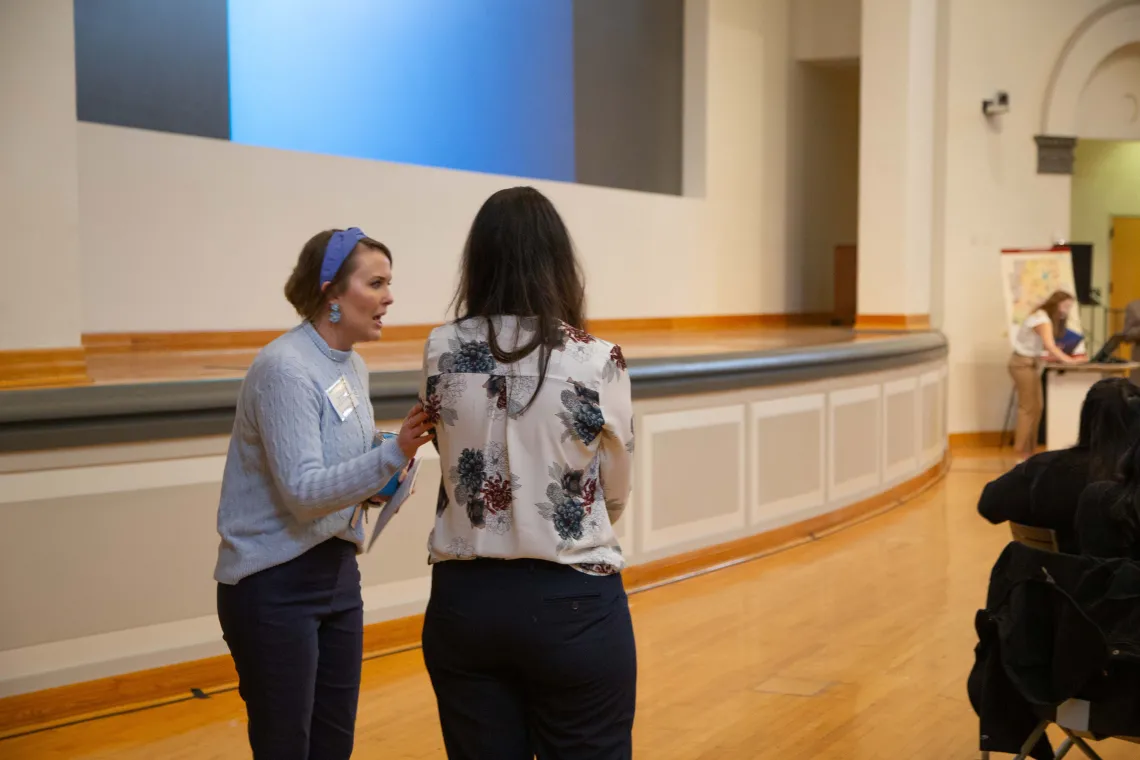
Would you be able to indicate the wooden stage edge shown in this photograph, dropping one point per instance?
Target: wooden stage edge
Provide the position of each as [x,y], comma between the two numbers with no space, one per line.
[41,710]
[63,367]
[158,342]
[893,322]
[43,368]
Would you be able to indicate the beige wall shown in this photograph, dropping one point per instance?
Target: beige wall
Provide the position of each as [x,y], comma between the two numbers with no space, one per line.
[826,30]
[1106,183]
[233,216]
[897,102]
[1109,108]
[993,196]
[39,264]
[124,582]
[222,222]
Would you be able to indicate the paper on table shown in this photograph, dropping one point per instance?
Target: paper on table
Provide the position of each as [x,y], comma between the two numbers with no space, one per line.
[393,505]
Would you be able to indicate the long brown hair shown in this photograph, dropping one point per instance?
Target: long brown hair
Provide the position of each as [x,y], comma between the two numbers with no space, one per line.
[519,260]
[1052,307]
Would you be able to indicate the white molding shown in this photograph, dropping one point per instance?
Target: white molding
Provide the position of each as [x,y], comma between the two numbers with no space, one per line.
[859,484]
[774,513]
[108,647]
[690,419]
[115,652]
[929,455]
[394,593]
[72,482]
[909,465]
[109,478]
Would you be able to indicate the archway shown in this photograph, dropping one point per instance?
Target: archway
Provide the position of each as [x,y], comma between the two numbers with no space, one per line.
[1112,27]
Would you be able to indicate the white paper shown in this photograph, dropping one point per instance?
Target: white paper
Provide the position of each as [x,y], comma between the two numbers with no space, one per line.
[342,398]
[394,504]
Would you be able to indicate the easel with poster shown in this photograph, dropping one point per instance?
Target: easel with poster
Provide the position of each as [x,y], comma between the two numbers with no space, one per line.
[1029,276]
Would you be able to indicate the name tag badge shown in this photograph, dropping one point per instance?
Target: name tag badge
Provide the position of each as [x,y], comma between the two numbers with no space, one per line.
[342,398]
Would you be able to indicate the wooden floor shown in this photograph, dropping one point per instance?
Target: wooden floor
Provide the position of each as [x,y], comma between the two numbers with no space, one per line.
[394,355]
[853,647]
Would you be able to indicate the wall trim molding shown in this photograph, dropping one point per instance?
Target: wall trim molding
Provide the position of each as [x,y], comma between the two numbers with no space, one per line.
[645,575]
[43,368]
[984,439]
[654,423]
[102,344]
[40,710]
[893,322]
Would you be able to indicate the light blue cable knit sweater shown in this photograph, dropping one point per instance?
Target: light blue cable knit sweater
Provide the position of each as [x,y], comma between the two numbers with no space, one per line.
[294,472]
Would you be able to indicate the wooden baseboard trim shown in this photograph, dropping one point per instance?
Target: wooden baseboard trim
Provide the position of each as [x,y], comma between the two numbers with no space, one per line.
[102,344]
[893,322]
[40,710]
[43,368]
[985,439]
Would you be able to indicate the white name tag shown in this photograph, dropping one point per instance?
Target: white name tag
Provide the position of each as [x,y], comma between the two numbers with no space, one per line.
[342,398]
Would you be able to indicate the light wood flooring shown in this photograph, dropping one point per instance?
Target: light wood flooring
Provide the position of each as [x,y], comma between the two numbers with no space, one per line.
[853,647]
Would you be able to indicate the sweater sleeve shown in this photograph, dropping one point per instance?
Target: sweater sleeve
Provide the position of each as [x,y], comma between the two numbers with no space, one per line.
[1098,532]
[617,440]
[288,412]
[1007,498]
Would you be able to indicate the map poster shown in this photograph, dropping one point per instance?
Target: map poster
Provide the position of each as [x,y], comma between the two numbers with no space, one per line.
[1029,277]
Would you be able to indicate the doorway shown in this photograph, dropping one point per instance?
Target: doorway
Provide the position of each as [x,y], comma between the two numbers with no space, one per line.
[1124,270]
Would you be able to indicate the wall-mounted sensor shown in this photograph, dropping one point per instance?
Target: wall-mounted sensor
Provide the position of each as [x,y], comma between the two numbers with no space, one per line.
[996,105]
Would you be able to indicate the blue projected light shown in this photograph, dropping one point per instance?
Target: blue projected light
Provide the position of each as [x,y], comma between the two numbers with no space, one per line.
[481,85]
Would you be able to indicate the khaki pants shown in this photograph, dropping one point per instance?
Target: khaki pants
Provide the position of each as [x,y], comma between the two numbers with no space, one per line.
[1026,374]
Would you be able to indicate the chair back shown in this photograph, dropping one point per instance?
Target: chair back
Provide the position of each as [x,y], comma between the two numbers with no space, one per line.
[1038,538]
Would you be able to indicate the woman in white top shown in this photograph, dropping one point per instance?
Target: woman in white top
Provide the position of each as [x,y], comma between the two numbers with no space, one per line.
[1035,339]
[527,637]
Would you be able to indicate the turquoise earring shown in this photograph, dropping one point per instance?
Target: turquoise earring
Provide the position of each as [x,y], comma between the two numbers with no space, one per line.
[334,313]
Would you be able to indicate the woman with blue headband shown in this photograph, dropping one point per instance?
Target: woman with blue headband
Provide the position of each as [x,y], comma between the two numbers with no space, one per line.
[302,460]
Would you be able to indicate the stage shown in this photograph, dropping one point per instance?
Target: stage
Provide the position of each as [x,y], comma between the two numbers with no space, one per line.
[146,395]
[792,431]
[118,366]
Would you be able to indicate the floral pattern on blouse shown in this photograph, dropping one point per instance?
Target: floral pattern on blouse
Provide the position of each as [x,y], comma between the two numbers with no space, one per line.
[441,396]
[484,487]
[582,414]
[570,503]
[545,483]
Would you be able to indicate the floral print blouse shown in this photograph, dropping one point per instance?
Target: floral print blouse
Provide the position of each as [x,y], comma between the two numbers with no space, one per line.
[546,483]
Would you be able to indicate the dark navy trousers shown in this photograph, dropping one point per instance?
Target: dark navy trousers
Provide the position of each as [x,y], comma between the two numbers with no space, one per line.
[530,658]
[296,633]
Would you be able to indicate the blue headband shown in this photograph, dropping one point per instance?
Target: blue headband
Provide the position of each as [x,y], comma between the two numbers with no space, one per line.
[340,245]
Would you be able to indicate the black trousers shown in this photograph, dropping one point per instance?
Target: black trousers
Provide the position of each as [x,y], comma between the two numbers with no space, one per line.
[530,658]
[296,633]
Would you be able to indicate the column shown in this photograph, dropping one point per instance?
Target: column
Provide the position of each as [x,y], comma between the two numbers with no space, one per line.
[896,163]
[41,308]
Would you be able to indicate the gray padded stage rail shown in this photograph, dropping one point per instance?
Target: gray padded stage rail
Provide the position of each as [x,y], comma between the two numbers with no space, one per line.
[131,413]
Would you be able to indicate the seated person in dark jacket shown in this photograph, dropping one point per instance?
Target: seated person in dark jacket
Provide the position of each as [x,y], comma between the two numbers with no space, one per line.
[1043,491]
[1108,516]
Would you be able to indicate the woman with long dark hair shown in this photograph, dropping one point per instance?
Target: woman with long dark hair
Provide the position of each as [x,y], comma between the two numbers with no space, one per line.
[527,637]
[1036,338]
[1043,491]
[1108,517]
